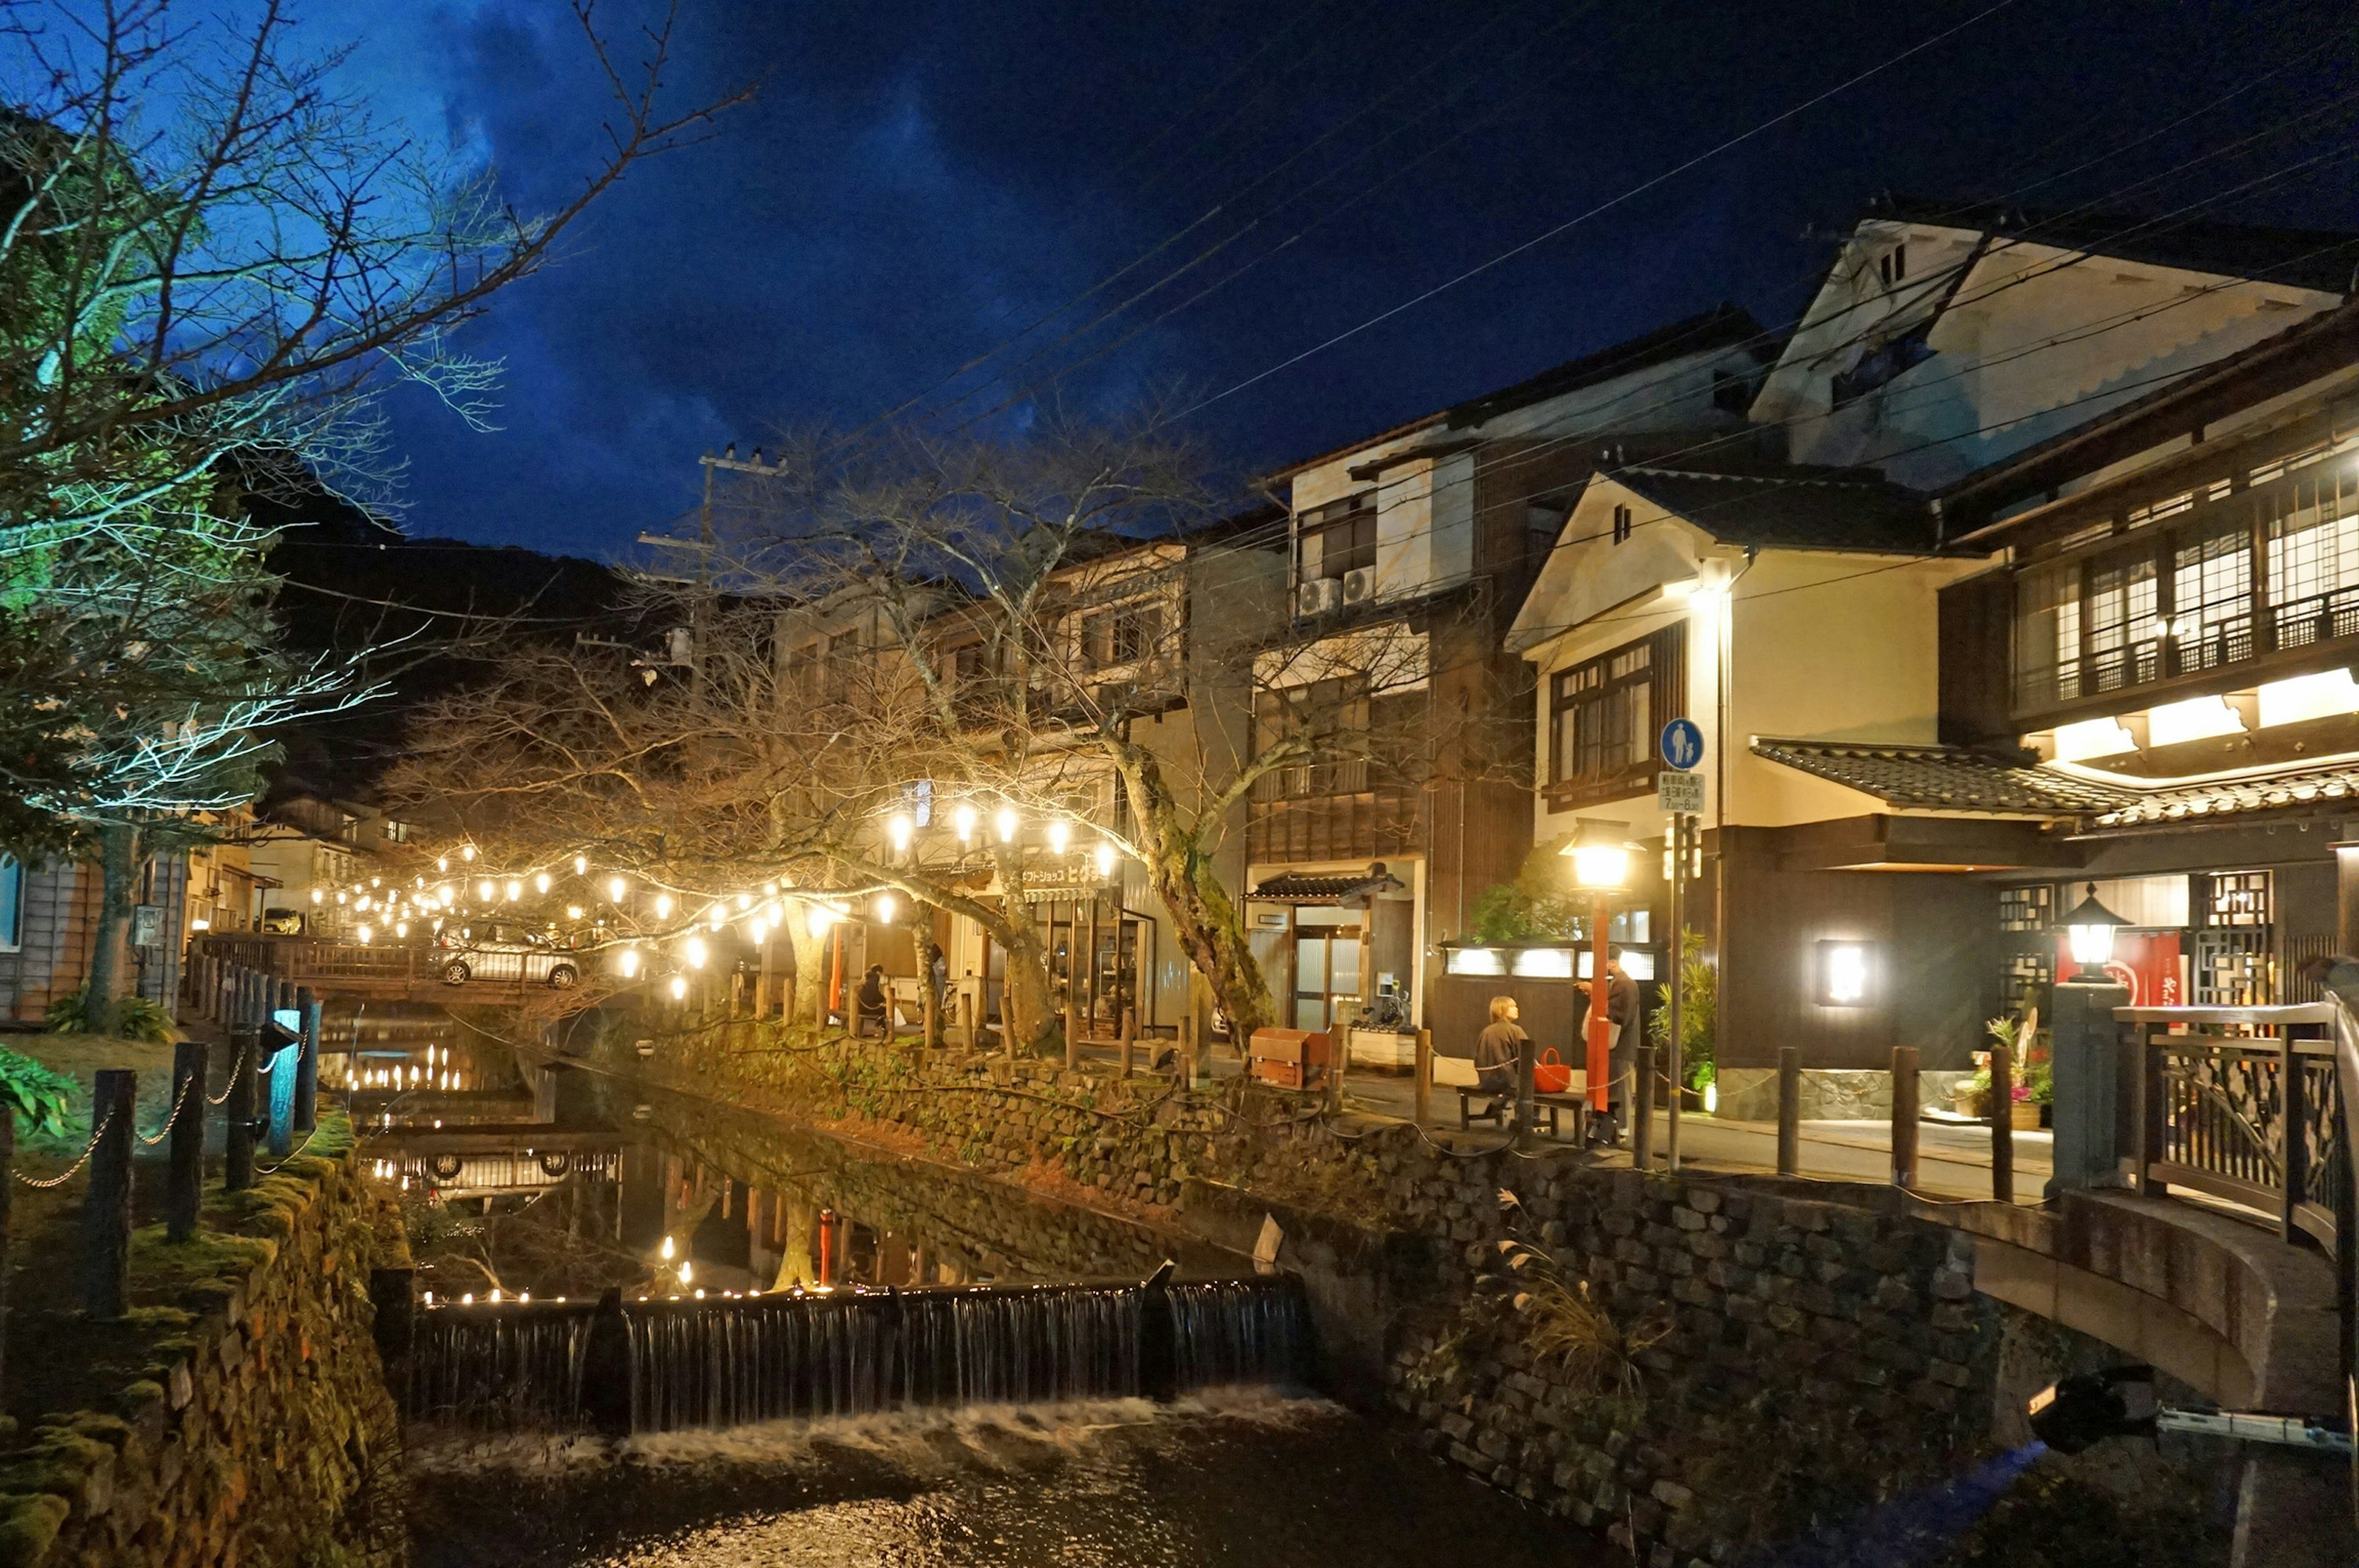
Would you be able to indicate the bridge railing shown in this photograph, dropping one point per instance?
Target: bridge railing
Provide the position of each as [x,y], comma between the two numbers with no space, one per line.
[2244,1103]
[302,959]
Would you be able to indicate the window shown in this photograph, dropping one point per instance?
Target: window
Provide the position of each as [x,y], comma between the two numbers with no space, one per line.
[1880,363]
[397,832]
[1892,266]
[1604,715]
[1621,523]
[12,903]
[1124,634]
[1339,538]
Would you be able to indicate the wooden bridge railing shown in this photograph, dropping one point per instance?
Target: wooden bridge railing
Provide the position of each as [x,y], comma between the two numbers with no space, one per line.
[302,960]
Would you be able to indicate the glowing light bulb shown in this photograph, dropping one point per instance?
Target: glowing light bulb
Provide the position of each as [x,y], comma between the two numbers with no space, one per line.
[885,907]
[580,865]
[771,889]
[318,896]
[495,1293]
[401,928]
[516,890]
[467,853]
[756,932]
[467,1300]
[442,862]
[483,891]
[573,912]
[663,906]
[364,935]
[678,987]
[820,918]
[540,882]
[688,1273]
[667,1251]
[718,916]
[964,820]
[1060,836]
[1105,860]
[343,898]
[695,952]
[616,887]
[898,829]
[629,962]
[1005,822]
[744,901]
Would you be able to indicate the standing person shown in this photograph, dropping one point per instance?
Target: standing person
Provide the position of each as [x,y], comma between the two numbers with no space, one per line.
[1620,1039]
[1498,1051]
[872,1003]
[937,972]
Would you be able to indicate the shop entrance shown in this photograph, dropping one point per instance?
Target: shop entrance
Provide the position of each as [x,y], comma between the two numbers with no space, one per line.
[1327,953]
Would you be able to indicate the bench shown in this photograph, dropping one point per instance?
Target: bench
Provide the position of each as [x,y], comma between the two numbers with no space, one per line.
[1545,1109]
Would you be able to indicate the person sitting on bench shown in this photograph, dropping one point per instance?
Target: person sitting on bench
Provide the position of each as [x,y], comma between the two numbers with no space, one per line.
[875,1007]
[1497,1050]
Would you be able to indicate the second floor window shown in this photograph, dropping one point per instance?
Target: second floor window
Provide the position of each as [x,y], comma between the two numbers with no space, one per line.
[1122,634]
[1340,537]
[1604,715]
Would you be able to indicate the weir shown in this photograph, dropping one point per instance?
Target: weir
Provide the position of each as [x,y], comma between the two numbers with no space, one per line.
[660,1366]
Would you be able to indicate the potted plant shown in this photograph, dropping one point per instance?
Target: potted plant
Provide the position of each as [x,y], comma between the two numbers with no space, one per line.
[1698,997]
[1972,1097]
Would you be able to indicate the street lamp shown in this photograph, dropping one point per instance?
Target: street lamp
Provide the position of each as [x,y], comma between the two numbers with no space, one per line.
[2090,928]
[1601,853]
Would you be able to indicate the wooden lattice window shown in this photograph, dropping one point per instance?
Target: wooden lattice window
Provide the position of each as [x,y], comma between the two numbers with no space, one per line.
[2024,909]
[1604,715]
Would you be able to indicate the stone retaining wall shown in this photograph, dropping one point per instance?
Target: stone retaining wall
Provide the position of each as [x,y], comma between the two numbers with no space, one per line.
[258,1431]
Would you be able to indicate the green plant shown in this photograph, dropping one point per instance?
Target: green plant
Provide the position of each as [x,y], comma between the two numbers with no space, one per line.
[37,1095]
[1564,1324]
[136,1018]
[2035,1071]
[1698,1013]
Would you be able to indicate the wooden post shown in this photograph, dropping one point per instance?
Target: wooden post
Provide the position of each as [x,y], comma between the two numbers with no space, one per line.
[1188,1049]
[1789,1109]
[1642,1131]
[762,982]
[2294,1111]
[306,1062]
[1526,1054]
[1424,1071]
[237,1163]
[1129,1040]
[185,1190]
[930,1004]
[966,1020]
[1904,1116]
[1072,1021]
[2153,1111]
[2002,1099]
[7,1201]
[106,1207]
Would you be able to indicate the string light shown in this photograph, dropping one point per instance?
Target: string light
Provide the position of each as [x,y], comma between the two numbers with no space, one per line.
[678,987]
[964,820]
[695,952]
[885,907]
[898,829]
[1060,835]
[580,865]
[573,912]
[483,891]
[442,862]
[364,935]
[663,906]
[540,882]
[1005,822]
[744,901]
[628,962]
[468,853]
[616,887]
[1105,860]
[516,890]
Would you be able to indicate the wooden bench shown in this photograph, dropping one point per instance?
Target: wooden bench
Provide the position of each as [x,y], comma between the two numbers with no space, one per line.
[1545,1109]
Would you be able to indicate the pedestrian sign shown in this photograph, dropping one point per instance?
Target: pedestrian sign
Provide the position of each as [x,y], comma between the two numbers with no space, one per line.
[1682,743]
[1679,791]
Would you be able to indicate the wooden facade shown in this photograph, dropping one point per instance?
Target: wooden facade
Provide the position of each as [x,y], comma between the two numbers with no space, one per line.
[59,926]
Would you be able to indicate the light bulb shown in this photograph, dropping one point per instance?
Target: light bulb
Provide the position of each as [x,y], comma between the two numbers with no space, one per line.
[663,906]
[629,962]
[540,882]
[468,853]
[1060,834]
[756,932]
[442,862]
[964,820]
[688,1273]
[744,901]
[483,891]
[1005,822]
[820,918]
[616,887]
[899,829]
[580,865]
[885,907]
[516,890]
[318,896]
[678,987]
[695,952]
[718,916]
[573,912]
[1105,860]
[377,881]
[364,935]
[668,1249]
[401,928]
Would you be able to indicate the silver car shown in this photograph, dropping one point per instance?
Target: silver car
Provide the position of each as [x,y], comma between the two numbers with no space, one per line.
[503,952]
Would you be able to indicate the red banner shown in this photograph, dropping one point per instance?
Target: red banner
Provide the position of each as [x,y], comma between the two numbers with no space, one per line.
[2145,961]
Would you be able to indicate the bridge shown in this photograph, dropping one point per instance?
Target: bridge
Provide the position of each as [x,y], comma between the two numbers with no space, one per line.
[334,969]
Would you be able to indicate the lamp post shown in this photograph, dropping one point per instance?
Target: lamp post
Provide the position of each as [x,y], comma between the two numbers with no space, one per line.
[1601,853]
[2090,929]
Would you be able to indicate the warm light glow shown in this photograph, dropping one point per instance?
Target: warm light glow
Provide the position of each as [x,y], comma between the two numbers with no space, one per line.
[1105,860]
[515,891]
[442,862]
[898,828]
[2197,718]
[2093,945]
[757,931]
[666,1250]
[819,917]
[2093,738]
[1060,836]
[885,907]
[365,934]
[467,853]
[377,881]
[540,882]
[318,896]
[616,887]
[688,1273]
[678,987]
[580,865]
[1004,821]
[1844,980]
[401,928]
[628,962]
[663,906]
[574,912]
[964,820]
[2326,694]
[447,895]
[1711,1097]
[343,898]
[200,923]
[495,1293]
[1601,867]
[694,952]
[483,891]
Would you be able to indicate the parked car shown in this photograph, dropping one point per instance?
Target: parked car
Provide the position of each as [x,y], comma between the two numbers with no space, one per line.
[502,952]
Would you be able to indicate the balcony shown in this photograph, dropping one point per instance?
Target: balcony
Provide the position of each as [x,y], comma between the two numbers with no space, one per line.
[2257,633]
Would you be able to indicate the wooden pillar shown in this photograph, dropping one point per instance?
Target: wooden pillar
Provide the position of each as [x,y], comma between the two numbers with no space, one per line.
[185,1192]
[1904,1116]
[7,1203]
[106,1206]
[1072,1019]
[237,1164]
[1129,1040]
[2002,1113]
[1789,1109]
[1642,1128]
[762,984]
[1424,1071]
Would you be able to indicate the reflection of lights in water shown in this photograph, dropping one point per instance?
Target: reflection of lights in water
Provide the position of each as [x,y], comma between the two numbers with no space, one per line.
[688,1273]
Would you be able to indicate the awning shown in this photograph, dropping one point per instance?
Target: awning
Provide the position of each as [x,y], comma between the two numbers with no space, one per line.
[1290,887]
[1962,778]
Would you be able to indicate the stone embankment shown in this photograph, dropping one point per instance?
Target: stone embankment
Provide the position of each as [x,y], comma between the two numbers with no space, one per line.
[1699,1367]
[238,1414]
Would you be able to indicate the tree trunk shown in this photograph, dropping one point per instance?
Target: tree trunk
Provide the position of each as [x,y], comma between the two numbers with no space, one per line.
[1030,1001]
[811,967]
[1211,930]
[120,854]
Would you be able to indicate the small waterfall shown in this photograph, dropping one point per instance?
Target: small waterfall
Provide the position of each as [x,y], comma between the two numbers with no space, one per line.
[660,1366]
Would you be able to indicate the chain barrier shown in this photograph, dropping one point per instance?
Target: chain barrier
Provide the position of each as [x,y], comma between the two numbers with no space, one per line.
[261,1171]
[234,1068]
[71,1170]
[179,1104]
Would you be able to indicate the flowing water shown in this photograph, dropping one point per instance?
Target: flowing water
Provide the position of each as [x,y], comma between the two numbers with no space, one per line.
[742,1344]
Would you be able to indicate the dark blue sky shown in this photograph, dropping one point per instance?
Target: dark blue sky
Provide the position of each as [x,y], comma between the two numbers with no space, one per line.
[920,181]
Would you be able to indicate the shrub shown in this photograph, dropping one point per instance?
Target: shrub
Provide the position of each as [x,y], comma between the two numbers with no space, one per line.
[36,1094]
[136,1018]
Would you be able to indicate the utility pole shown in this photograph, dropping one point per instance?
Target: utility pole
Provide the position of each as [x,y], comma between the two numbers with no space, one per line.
[705,544]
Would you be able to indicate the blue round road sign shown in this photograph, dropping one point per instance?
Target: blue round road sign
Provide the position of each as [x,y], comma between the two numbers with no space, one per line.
[1683,744]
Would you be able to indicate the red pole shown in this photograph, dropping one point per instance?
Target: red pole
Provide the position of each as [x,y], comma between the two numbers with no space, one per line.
[1600,1054]
[835,973]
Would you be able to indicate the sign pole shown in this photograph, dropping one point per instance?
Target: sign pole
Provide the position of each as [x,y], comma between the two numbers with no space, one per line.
[1678,839]
[1679,794]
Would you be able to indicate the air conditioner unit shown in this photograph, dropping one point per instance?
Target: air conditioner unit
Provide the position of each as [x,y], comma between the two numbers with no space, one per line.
[1359,585]
[1317,596]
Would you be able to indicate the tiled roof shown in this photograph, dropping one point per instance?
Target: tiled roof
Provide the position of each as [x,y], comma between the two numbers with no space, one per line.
[1797,508]
[1946,778]
[2315,259]
[1289,887]
[1958,778]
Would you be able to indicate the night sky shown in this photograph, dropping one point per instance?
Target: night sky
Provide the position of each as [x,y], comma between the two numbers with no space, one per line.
[919,182]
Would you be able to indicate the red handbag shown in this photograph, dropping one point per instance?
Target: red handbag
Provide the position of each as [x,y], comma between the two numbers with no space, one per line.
[1549,1075]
